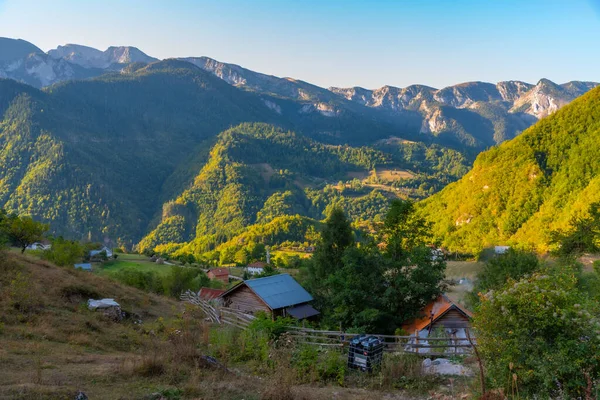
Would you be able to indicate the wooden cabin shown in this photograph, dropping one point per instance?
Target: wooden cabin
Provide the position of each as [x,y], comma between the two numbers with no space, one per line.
[220,274]
[277,295]
[440,313]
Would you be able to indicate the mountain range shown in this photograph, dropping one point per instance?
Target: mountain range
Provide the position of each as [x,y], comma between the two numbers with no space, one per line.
[117,145]
[474,115]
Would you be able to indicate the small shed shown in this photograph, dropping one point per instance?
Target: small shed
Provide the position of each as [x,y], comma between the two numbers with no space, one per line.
[220,274]
[277,295]
[85,266]
[440,313]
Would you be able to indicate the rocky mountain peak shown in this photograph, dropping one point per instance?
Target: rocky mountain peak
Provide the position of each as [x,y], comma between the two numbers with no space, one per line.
[126,55]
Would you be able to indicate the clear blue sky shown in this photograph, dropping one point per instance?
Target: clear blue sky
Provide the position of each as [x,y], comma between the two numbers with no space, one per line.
[367,43]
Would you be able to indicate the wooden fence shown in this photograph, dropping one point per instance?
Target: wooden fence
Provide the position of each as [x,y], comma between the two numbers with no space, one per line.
[439,346]
[217,314]
[394,344]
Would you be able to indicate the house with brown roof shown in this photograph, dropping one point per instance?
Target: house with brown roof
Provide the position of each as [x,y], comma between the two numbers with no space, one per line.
[219,274]
[441,313]
[442,316]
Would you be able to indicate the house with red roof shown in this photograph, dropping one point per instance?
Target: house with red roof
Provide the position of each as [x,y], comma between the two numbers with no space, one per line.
[209,294]
[219,274]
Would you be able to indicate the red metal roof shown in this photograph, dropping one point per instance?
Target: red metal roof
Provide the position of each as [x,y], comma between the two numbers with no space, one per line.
[434,311]
[210,294]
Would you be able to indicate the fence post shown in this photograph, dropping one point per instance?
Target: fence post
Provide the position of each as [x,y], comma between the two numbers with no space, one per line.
[417,341]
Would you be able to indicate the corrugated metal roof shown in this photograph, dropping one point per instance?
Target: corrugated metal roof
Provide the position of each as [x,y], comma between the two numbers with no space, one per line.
[279,291]
[434,311]
[210,294]
[302,311]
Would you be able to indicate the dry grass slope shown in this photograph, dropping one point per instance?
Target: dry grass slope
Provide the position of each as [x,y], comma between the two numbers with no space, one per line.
[52,346]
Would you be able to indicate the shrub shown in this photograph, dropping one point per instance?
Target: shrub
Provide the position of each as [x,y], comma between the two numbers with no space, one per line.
[514,264]
[304,360]
[273,328]
[404,371]
[541,335]
[64,252]
[332,367]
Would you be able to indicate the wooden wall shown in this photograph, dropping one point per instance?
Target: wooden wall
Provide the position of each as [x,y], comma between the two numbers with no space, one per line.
[244,299]
[453,319]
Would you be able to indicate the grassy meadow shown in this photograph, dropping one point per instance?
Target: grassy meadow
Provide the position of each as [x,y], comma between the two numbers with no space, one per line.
[137,261]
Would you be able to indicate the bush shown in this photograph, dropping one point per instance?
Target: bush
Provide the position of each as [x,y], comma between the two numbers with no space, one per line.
[64,252]
[514,264]
[541,335]
[273,328]
[404,371]
[177,281]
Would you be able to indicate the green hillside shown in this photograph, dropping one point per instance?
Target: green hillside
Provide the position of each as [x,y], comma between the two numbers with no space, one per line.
[522,190]
[257,173]
[93,157]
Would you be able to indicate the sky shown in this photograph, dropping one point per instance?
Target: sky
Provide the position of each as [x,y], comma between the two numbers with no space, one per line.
[367,43]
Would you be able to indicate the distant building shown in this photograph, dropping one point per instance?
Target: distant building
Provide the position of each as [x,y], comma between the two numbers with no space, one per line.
[501,249]
[85,267]
[256,268]
[39,246]
[277,295]
[219,274]
[96,253]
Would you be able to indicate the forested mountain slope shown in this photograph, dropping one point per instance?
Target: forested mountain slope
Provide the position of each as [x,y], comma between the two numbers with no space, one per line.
[92,157]
[520,191]
[98,158]
[256,173]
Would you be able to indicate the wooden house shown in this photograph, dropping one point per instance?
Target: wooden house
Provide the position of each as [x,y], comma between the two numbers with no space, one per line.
[441,313]
[220,274]
[277,295]
[440,316]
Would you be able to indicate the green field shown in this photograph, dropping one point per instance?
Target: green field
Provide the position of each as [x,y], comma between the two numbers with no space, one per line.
[136,261]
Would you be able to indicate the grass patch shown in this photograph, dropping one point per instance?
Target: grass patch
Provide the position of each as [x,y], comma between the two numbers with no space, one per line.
[111,267]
